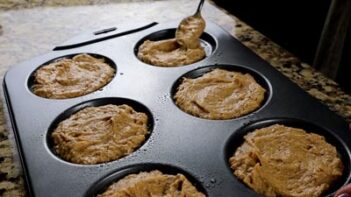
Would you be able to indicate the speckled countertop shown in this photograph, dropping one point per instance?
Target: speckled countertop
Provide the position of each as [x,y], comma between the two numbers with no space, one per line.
[27,30]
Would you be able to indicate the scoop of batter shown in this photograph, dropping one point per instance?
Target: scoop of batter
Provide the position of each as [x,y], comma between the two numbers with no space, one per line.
[285,161]
[219,94]
[182,50]
[168,53]
[68,78]
[100,134]
[190,30]
[152,184]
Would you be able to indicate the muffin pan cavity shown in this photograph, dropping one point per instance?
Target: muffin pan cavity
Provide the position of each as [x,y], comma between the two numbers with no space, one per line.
[108,61]
[101,185]
[138,107]
[237,139]
[260,79]
[207,41]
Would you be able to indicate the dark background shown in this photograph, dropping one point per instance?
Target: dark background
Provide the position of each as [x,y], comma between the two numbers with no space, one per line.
[296,25]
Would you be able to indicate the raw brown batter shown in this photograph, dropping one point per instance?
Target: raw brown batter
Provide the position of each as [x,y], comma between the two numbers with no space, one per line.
[285,161]
[100,134]
[219,94]
[183,50]
[68,78]
[152,184]
[190,30]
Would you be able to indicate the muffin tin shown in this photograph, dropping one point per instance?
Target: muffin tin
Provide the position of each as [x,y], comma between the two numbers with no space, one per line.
[178,142]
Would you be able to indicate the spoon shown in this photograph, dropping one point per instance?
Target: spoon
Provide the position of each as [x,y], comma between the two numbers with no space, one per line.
[199,8]
[190,29]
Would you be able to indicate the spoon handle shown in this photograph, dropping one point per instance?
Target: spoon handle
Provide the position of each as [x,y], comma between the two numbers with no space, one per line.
[198,11]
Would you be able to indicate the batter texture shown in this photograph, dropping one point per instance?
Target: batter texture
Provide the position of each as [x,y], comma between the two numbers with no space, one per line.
[184,49]
[286,161]
[68,78]
[100,134]
[152,184]
[219,94]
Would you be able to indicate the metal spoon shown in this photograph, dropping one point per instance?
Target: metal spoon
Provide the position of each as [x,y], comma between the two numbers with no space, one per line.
[191,28]
[199,8]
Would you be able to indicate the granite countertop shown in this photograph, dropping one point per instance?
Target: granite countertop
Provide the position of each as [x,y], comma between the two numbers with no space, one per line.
[27,30]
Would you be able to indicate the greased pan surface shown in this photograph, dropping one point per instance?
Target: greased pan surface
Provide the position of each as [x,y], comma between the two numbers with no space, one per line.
[178,142]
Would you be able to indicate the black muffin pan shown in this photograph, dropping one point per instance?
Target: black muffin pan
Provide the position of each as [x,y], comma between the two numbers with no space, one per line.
[178,142]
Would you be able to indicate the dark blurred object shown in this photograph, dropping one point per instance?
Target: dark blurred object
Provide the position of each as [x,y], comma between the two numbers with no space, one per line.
[331,44]
[296,25]
[344,75]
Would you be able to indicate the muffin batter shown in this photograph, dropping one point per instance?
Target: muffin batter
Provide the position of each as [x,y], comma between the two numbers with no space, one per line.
[190,30]
[100,134]
[152,184]
[182,50]
[285,161]
[68,78]
[219,94]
